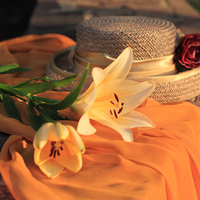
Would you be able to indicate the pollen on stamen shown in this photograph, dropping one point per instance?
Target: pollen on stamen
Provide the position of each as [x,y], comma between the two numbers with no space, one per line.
[111,112]
[54,154]
[52,149]
[116,97]
[120,110]
[55,150]
[51,152]
[115,114]
[112,102]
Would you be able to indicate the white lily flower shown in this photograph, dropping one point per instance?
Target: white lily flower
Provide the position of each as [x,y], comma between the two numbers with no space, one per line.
[56,147]
[111,98]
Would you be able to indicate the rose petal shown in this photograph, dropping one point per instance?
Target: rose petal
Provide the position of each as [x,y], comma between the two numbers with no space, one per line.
[188,49]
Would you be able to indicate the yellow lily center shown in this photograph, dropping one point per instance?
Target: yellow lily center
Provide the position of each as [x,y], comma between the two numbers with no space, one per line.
[56,146]
[118,104]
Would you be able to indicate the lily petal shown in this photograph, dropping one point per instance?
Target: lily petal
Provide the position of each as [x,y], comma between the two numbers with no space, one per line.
[73,155]
[62,149]
[42,155]
[77,138]
[131,93]
[58,132]
[98,75]
[42,135]
[84,126]
[141,91]
[120,68]
[51,168]
[110,97]
[134,119]
[86,99]
[104,119]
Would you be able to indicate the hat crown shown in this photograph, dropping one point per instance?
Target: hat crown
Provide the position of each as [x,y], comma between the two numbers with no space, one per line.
[148,37]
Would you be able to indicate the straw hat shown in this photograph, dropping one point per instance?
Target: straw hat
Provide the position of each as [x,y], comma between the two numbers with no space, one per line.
[101,40]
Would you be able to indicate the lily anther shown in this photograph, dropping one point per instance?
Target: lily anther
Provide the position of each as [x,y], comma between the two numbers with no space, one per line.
[118,105]
[56,146]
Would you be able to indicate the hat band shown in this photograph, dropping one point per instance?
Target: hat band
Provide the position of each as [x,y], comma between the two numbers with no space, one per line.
[140,68]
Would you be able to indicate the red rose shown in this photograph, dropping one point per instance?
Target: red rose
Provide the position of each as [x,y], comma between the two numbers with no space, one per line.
[188,51]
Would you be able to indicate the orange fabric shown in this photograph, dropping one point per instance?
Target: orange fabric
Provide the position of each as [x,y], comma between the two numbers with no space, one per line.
[162,163]
[30,51]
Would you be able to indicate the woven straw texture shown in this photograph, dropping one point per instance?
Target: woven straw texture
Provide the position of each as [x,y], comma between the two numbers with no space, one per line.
[186,88]
[148,37]
[175,91]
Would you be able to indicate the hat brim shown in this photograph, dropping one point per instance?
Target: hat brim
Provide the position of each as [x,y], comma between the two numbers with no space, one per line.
[168,88]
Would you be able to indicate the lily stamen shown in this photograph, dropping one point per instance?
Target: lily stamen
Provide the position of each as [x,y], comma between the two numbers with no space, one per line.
[115,114]
[54,154]
[116,97]
[112,102]
[118,105]
[51,153]
[55,149]
[120,110]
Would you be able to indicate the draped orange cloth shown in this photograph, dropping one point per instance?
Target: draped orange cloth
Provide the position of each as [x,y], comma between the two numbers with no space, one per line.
[162,163]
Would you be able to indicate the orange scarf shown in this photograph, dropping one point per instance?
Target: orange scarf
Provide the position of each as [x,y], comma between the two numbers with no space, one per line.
[162,163]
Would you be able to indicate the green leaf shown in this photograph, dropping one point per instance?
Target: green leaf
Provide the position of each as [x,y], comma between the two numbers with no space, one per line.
[53,114]
[36,120]
[45,100]
[49,84]
[14,68]
[10,107]
[70,98]
[9,90]
[5,68]
[28,82]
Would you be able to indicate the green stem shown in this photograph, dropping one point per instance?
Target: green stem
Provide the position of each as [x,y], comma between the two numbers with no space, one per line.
[42,112]
[46,100]
[9,90]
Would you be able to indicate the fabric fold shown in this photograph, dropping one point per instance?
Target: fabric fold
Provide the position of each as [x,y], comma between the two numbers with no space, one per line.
[162,163]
